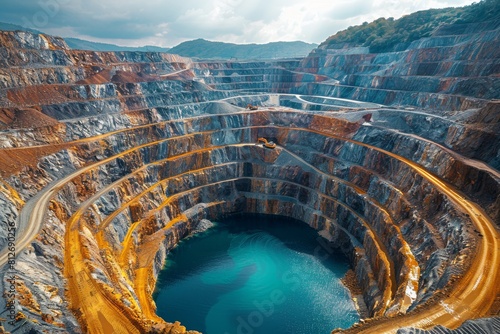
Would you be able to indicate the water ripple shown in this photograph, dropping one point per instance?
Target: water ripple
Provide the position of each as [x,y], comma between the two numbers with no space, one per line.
[258,280]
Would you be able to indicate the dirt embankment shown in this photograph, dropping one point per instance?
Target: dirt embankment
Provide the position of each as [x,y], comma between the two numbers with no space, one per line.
[14,160]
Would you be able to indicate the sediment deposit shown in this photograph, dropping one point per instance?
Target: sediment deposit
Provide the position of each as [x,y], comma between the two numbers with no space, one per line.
[108,159]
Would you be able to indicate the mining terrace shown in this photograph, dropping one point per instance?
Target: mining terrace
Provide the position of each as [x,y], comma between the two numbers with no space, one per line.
[108,159]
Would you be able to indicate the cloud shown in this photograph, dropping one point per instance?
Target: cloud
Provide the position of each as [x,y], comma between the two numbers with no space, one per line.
[169,22]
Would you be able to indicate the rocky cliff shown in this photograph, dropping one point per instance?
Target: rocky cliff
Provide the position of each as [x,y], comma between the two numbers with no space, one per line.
[456,68]
[108,159]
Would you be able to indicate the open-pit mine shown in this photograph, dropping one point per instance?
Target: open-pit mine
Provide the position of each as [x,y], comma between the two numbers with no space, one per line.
[109,159]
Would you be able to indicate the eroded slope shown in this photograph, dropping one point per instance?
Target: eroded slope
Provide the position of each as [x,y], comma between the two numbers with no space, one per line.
[128,151]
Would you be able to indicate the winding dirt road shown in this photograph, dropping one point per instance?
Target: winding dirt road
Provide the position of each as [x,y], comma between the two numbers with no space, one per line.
[477,289]
[472,298]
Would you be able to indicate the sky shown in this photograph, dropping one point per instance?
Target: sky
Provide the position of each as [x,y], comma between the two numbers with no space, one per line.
[167,23]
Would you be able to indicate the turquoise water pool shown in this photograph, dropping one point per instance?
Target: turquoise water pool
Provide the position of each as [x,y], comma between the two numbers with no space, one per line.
[255,275]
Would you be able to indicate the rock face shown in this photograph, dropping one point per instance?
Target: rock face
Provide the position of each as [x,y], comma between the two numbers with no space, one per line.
[481,326]
[110,158]
[454,69]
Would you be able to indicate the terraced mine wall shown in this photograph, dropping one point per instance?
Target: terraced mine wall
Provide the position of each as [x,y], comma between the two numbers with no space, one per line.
[109,159]
[454,69]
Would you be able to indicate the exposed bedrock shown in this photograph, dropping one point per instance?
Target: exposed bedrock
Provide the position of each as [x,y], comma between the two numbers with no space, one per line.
[108,159]
[338,189]
[479,326]
[450,70]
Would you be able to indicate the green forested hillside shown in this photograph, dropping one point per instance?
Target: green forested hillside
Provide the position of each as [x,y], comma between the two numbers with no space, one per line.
[201,48]
[385,35]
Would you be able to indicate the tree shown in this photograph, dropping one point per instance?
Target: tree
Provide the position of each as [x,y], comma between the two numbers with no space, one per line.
[385,35]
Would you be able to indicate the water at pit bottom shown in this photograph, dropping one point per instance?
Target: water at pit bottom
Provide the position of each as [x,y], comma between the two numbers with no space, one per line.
[255,275]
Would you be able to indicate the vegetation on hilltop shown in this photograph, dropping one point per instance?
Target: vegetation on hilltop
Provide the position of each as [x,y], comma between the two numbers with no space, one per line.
[386,35]
[482,11]
[13,27]
[80,44]
[201,48]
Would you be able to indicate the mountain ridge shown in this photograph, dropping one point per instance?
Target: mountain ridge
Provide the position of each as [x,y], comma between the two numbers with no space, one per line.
[82,44]
[197,48]
[202,48]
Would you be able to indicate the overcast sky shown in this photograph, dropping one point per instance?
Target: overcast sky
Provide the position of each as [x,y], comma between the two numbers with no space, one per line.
[169,22]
